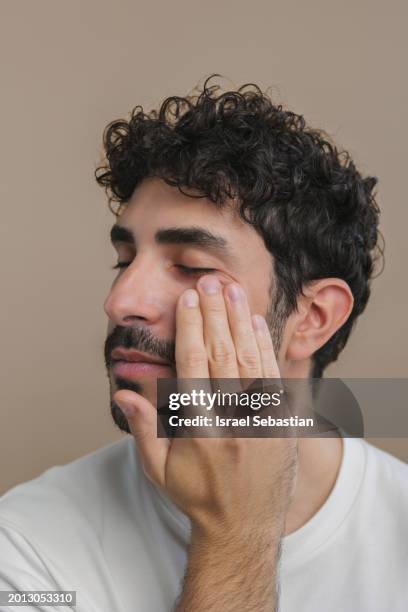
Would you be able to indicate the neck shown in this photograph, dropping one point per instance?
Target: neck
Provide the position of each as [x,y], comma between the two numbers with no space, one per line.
[318,468]
[319,459]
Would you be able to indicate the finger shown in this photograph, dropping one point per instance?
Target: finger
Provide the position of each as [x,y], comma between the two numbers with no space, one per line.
[217,336]
[191,354]
[270,368]
[142,419]
[242,332]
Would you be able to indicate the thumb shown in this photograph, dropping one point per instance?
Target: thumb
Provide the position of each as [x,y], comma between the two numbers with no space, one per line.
[142,419]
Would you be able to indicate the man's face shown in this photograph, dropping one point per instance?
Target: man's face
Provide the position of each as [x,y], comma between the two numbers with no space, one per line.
[161,235]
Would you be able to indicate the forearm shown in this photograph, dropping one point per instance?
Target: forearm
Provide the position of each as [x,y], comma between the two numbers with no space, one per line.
[236,573]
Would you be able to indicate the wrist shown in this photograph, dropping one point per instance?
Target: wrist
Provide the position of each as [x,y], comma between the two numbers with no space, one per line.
[260,538]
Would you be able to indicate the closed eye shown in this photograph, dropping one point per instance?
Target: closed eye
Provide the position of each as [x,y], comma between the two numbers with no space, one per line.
[191,271]
[183,269]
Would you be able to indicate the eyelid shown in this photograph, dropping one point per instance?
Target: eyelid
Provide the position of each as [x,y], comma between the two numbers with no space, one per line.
[191,270]
[185,269]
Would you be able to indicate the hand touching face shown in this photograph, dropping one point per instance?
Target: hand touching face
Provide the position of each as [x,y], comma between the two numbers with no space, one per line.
[236,478]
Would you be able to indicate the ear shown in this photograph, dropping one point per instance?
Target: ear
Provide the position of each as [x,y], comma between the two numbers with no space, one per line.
[323,309]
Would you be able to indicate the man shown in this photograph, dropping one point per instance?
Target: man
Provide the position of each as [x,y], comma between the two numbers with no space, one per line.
[245,245]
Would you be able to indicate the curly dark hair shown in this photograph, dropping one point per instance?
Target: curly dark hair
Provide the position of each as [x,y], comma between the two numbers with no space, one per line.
[315,212]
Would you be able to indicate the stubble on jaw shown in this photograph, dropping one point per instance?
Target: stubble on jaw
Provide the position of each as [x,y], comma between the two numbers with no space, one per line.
[277,314]
[117,415]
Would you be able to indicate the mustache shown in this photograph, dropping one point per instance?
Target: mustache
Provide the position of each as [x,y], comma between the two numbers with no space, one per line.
[140,339]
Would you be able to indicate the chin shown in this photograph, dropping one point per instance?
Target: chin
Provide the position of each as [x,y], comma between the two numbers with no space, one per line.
[119,418]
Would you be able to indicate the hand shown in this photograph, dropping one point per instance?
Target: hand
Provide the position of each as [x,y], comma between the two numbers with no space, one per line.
[225,485]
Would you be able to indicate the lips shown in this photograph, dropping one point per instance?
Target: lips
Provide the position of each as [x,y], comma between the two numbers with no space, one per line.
[133,364]
[136,357]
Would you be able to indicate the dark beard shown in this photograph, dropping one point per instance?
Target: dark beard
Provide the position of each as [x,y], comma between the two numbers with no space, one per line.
[117,415]
[139,339]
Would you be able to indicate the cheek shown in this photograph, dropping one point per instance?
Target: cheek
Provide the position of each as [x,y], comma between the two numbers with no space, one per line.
[258,299]
[171,323]
[257,283]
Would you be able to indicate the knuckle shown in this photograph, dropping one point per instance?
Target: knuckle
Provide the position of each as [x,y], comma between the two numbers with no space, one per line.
[248,360]
[216,306]
[221,353]
[189,318]
[193,359]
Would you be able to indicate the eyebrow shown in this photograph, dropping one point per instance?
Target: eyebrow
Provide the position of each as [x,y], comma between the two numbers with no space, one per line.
[195,236]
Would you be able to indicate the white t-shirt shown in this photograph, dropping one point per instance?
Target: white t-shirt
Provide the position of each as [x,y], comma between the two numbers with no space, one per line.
[97,526]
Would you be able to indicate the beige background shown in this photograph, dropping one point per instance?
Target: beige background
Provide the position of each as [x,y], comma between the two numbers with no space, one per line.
[68,68]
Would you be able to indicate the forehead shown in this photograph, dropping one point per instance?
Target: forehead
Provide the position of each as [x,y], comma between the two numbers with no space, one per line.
[154,205]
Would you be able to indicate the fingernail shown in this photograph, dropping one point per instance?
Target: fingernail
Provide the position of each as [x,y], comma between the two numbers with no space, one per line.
[127,408]
[190,298]
[210,285]
[259,323]
[235,293]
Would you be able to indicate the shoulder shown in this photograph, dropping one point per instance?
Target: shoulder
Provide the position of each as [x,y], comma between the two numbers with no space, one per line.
[73,491]
[61,528]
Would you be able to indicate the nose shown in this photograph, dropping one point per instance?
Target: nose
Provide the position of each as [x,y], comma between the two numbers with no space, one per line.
[137,294]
